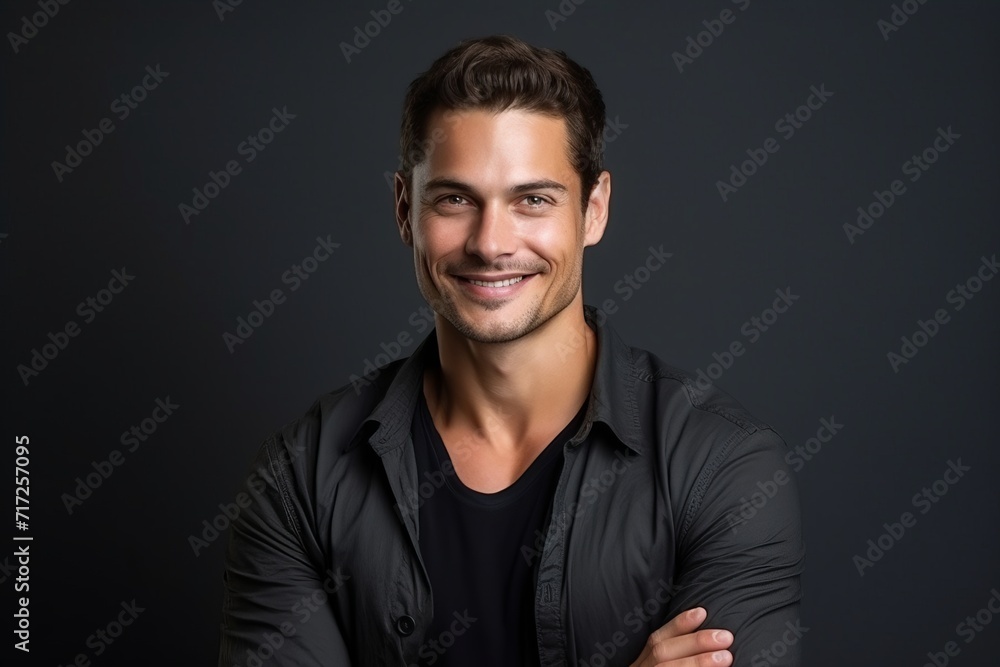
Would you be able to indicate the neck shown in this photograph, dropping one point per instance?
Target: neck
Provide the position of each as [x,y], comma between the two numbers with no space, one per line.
[516,392]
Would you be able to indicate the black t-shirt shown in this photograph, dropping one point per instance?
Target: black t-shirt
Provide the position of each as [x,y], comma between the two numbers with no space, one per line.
[481,551]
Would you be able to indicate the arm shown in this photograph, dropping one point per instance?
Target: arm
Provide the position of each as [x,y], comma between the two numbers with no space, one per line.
[741,551]
[275,607]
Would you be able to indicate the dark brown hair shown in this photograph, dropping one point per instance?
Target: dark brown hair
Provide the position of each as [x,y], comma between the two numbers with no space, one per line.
[502,72]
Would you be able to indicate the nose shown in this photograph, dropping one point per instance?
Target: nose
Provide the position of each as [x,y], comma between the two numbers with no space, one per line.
[492,233]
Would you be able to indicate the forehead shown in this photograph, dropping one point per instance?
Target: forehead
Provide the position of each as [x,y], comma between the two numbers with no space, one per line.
[478,146]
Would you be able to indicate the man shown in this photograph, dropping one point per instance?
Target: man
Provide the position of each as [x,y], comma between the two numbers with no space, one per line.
[526,488]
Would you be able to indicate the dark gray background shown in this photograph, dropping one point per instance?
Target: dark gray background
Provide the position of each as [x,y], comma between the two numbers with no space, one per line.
[324,175]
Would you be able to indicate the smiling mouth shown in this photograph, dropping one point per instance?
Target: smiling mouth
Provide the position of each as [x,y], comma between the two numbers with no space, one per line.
[496,283]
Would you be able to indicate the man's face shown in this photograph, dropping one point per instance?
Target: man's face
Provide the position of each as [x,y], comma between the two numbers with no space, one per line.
[497,199]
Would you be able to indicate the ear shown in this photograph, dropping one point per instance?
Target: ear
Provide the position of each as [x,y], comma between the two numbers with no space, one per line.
[596,216]
[402,209]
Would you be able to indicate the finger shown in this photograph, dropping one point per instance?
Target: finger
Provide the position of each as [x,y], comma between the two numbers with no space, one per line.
[682,623]
[713,659]
[698,644]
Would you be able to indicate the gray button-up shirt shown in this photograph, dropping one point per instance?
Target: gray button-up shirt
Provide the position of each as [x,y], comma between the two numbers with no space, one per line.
[671,496]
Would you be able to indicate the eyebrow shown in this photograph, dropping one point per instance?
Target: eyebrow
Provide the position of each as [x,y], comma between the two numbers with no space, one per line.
[453,184]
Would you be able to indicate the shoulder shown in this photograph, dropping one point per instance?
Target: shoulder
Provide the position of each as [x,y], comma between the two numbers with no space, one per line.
[700,436]
[679,393]
[335,423]
[307,455]
[299,466]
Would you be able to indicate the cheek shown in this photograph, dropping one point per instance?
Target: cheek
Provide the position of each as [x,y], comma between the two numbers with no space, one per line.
[554,243]
[435,247]
[440,236]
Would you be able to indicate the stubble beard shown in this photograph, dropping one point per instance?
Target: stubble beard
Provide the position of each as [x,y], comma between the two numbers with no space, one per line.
[532,318]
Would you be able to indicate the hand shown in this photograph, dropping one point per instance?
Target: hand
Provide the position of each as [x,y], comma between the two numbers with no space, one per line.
[677,644]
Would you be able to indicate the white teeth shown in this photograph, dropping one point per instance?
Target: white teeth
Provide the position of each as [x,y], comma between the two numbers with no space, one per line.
[498,283]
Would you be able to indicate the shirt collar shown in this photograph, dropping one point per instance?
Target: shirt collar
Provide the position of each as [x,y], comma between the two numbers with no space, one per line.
[612,400]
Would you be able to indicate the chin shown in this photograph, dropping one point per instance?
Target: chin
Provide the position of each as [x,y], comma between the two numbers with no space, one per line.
[499,329]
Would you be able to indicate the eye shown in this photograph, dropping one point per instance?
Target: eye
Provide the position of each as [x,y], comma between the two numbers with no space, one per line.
[534,201]
[455,200]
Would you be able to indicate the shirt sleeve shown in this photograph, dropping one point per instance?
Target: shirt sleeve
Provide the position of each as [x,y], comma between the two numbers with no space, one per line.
[741,552]
[275,608]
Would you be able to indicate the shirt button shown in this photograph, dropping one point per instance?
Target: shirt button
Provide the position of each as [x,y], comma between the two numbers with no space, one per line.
[405,625]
